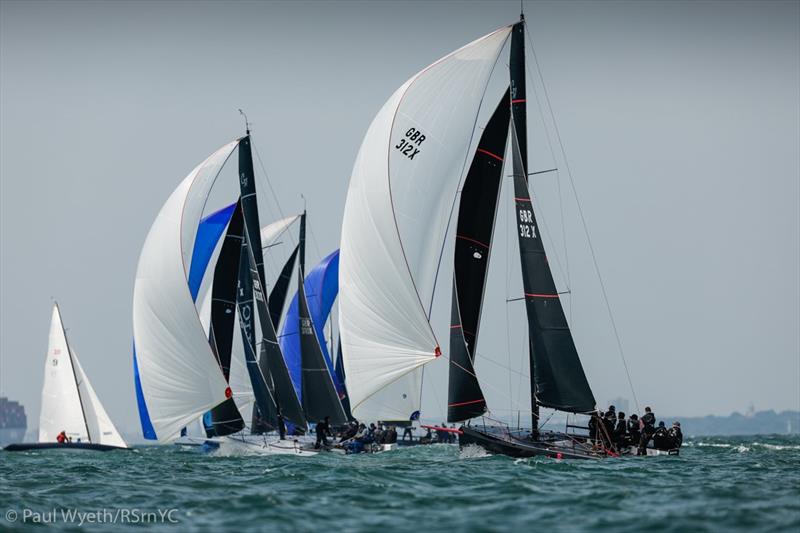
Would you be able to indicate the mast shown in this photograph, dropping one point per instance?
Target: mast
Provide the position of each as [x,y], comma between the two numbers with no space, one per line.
[271,359]
[319,396]
[520,124]
[74,374]
[476,218]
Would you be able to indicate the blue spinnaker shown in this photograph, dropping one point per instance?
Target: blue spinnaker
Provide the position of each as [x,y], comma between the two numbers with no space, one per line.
[322,286]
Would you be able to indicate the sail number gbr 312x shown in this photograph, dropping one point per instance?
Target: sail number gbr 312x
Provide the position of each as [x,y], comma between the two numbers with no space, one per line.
[526,227]
[409,145]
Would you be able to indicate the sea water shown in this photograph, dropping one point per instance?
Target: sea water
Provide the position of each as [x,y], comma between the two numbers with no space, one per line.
[716,484]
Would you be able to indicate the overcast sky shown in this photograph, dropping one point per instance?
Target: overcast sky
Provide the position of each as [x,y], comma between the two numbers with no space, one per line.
[681,123]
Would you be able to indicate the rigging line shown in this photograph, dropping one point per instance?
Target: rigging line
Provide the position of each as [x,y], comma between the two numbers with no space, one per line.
[479,381]
[585,228]
[508,331]
[269,184]
[558,174]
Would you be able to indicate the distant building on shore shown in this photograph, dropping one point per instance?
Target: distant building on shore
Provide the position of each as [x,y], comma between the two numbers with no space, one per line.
[622,405]
[13,421]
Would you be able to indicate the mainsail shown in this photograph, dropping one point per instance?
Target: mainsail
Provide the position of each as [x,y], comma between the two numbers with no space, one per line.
[270,358]
[69,402]
[476,216]
[319,395]
[177,371]
[398,205]
[557,377]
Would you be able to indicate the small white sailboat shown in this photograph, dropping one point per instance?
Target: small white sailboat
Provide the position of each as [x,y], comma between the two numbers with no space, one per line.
[70,406]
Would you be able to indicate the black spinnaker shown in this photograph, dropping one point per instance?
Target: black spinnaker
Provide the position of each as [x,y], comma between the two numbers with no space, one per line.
[476,216]
[277,296]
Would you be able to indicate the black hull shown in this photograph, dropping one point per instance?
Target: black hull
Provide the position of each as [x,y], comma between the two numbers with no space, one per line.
[67,446]
[498,441]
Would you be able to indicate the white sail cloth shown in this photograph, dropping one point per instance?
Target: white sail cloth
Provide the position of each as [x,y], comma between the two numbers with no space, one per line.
[180,376]
[398,205]
[69,402]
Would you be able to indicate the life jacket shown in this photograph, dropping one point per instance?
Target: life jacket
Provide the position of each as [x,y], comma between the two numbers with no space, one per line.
[61,438]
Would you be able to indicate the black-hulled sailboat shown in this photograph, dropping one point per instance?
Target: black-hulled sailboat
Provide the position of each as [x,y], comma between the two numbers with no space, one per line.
[419,153]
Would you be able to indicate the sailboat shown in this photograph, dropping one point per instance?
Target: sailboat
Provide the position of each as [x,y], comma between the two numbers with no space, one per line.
[69,403]
[420,162]
[182,370]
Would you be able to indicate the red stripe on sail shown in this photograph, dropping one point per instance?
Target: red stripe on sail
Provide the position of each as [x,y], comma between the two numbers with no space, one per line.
[466,403]
[541,295]
[518,101]
[471,240]
[522,199]
[490,154]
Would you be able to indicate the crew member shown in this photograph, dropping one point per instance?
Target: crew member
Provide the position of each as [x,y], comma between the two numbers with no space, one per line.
[675,435]
[61,438]
[621,432]
[661,437]
[323,430]
[634,433]
[647,425]
[408,431]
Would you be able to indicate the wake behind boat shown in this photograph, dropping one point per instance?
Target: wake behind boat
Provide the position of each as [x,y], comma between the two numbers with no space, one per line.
[72,417]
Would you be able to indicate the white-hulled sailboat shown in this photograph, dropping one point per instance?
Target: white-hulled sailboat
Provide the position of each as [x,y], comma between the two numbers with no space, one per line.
[70,407]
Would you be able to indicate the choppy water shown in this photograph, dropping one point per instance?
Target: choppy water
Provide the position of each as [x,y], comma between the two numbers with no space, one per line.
[744,483]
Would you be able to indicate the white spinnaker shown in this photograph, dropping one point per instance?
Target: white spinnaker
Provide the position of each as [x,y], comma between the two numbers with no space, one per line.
[101,429]
[180,376]
[395,220]
[61,403]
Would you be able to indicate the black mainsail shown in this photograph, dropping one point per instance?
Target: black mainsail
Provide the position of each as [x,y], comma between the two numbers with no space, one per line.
[277,296]
[265,410]
[476,217]
[225,417]
[318,392]
[557,377]
[270,358]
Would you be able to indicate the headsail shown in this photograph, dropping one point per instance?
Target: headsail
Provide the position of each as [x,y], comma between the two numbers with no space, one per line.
[101,428]
[225,418]
[179,374]
[476,216]
[398,204]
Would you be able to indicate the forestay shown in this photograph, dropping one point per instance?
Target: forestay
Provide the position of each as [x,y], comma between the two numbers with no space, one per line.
[179,374]
[401,191]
